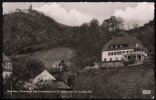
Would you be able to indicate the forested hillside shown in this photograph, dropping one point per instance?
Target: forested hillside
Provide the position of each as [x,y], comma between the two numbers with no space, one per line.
[25,33]
[146,35]
[36,42]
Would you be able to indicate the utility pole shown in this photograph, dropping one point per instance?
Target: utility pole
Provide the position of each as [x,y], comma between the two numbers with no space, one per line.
[11,89]
[31,74]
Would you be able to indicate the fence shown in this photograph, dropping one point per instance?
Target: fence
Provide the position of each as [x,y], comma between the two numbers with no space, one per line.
[118,64]
[47,94]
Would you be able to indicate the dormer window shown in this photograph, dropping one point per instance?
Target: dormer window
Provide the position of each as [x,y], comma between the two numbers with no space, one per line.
[7,66]
[118,46]
[125,45]
[137,45]
[113,46]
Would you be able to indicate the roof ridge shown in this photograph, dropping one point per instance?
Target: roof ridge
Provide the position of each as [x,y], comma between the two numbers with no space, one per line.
[126,39]
[5,58]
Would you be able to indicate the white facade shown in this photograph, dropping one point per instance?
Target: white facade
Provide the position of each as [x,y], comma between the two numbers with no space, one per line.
[45,76]
[6,74]
[7,65]
[7,69]
[107,57]
[118,55]
[123,49]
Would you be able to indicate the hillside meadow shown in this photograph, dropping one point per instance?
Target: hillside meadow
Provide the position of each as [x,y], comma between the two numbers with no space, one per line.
[121,82]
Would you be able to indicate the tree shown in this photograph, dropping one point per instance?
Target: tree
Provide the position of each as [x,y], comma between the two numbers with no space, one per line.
[135,25]
[25,69]
[114,23]
[34,67]
[19,72]
[94,38]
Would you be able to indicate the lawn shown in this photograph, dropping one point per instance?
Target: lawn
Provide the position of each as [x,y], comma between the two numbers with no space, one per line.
[121,82]
[48,57]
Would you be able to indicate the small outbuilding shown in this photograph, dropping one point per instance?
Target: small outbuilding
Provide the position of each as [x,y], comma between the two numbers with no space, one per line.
[44,76]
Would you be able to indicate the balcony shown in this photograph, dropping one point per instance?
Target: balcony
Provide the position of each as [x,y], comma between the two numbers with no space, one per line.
[136,53]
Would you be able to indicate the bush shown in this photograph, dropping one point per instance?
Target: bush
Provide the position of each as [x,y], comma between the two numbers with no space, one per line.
[131,61]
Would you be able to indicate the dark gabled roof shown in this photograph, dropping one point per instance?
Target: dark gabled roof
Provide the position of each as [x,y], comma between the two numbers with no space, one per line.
[130,40]
[59,85]
[5,58]
[62,85]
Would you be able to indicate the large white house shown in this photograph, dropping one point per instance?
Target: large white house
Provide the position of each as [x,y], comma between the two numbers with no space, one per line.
[7,67]
[123,48]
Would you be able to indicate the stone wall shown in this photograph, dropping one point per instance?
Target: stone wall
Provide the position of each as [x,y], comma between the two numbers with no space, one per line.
[112,64]
[118,64]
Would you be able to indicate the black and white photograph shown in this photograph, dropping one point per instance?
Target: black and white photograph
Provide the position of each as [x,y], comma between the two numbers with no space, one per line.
[78,50]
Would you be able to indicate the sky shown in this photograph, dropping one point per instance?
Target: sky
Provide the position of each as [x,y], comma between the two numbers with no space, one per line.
[77,13]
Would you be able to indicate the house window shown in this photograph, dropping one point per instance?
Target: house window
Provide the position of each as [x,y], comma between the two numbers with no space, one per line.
[118,53]
[129,57]
[104,59]
[126,51]
[109,53]
[110,59]
[137,45]
[116,58]
[7,66]
[116,46]
[111,46]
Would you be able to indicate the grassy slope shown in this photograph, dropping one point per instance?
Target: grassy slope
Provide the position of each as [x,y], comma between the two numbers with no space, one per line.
[50,56]
[53,55]
[117,82]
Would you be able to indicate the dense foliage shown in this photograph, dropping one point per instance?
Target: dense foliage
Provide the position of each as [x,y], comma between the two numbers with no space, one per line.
[25,69]
[23,33]
[26,33]
[146,35]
